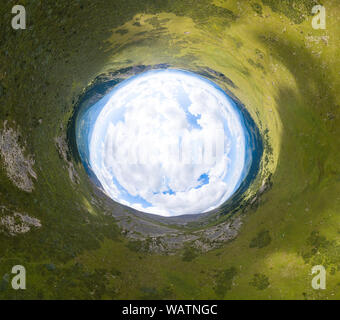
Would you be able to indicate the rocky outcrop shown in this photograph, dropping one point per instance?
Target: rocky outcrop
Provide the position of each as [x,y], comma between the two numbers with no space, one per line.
[18,166]
[14,223]
[64,153]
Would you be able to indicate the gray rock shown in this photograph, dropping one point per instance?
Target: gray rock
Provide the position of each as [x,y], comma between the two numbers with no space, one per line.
[19,167]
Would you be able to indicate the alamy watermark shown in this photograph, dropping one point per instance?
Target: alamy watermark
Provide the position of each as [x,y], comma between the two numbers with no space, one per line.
[19,279]
[182,150]
[19,20]
[319,19]
[319,280]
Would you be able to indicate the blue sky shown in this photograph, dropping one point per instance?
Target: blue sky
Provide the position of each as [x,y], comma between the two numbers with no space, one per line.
[167,142]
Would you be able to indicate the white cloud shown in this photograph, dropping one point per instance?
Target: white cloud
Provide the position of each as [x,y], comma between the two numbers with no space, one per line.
[152,152]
